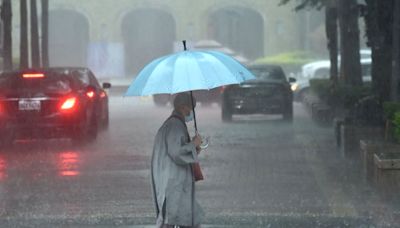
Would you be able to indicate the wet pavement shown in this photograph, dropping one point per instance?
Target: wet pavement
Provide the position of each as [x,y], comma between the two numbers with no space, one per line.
[260,172]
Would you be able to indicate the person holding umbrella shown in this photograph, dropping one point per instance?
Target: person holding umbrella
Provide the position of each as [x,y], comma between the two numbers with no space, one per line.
[173,169]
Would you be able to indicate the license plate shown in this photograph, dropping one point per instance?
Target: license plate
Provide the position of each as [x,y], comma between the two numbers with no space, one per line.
[29,105]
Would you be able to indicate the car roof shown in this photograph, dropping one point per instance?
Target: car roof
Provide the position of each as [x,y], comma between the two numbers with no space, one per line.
[49,69]
[258,66]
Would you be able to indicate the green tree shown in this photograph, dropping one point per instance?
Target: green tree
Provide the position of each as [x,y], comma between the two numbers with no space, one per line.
[347,11]
[378,17]
[34,36]
[24,51]
[350,66]
[45,33]
[6,17]
[331,25]
[396,53]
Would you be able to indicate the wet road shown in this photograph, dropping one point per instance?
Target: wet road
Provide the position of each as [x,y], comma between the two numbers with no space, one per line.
[260,172]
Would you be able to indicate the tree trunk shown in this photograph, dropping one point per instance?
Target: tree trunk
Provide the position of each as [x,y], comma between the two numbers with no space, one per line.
[379,21]
[332,37]
[6,16]
[34,36]
[396,52]
[24,51]
[350,67]
[45,33]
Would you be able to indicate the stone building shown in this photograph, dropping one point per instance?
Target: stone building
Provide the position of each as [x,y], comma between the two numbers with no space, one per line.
[117,37]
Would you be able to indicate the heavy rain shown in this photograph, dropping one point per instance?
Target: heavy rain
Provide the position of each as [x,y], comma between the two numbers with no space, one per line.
[293,117]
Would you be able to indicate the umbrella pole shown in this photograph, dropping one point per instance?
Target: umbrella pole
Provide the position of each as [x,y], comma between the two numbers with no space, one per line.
[194,113]
[191,95]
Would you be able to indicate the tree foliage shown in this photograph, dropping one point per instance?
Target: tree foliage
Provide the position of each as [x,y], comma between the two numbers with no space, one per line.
[304,4]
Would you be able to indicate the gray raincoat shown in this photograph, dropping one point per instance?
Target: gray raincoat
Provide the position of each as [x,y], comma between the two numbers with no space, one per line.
[172,175]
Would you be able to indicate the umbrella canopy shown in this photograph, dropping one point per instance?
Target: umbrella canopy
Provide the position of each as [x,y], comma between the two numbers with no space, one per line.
[188,71]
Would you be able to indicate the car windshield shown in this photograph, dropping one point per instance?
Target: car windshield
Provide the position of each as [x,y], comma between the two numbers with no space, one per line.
[268,73]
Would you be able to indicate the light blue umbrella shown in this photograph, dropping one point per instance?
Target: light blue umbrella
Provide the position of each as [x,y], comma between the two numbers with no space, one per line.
[188,71]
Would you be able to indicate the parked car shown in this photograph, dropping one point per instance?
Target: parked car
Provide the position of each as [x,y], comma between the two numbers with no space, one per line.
[52,103]
[321,70]
[270,93]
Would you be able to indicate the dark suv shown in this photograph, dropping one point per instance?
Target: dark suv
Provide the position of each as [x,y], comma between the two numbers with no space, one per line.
[51,103]
[269,93]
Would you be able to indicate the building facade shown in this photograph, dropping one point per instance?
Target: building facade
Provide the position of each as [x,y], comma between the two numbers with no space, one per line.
[117,37]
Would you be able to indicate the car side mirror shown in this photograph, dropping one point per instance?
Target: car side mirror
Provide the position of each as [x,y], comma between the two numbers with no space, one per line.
[106,85]
[292,80]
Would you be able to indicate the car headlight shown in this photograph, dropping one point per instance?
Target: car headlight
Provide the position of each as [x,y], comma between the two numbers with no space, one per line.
[294,86]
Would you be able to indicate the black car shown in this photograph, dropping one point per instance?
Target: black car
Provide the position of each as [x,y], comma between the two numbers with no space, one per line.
[270,93]
[205,97]
[52,103]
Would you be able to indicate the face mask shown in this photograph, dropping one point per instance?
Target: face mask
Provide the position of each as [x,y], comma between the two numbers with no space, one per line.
[189,117]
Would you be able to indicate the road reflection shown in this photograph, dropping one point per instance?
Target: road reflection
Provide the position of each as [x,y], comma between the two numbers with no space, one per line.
[3,168]
[34,160]
[68,163]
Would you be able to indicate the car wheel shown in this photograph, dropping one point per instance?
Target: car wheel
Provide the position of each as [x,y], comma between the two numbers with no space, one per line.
[93,129]
[106,121]
[86,133]
[226,113]
[288,114]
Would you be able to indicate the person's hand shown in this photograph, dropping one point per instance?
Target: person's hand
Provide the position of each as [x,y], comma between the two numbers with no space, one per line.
[197,141]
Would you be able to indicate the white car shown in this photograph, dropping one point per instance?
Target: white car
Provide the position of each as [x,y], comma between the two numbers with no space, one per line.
[321,69]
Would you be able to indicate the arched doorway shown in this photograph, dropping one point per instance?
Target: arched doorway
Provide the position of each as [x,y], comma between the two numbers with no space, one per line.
[68,38]
[147,34]
[238,28]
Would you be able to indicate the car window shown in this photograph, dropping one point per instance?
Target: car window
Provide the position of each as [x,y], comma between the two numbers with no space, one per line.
[82,76]
[93,80]
[51,83]
[268,73]
[322,73]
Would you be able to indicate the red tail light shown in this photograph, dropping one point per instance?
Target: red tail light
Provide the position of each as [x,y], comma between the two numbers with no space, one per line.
[35,75]
[68,104]
[103,94]
[90,94]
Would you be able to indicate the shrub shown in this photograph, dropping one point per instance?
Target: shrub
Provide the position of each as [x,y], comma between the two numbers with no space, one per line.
[396,123]
[322,88]
[390,109]
[392,115]
[340,94]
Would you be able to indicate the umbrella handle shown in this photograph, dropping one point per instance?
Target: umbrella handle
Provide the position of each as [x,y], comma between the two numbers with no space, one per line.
[184,44]
[194,113]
